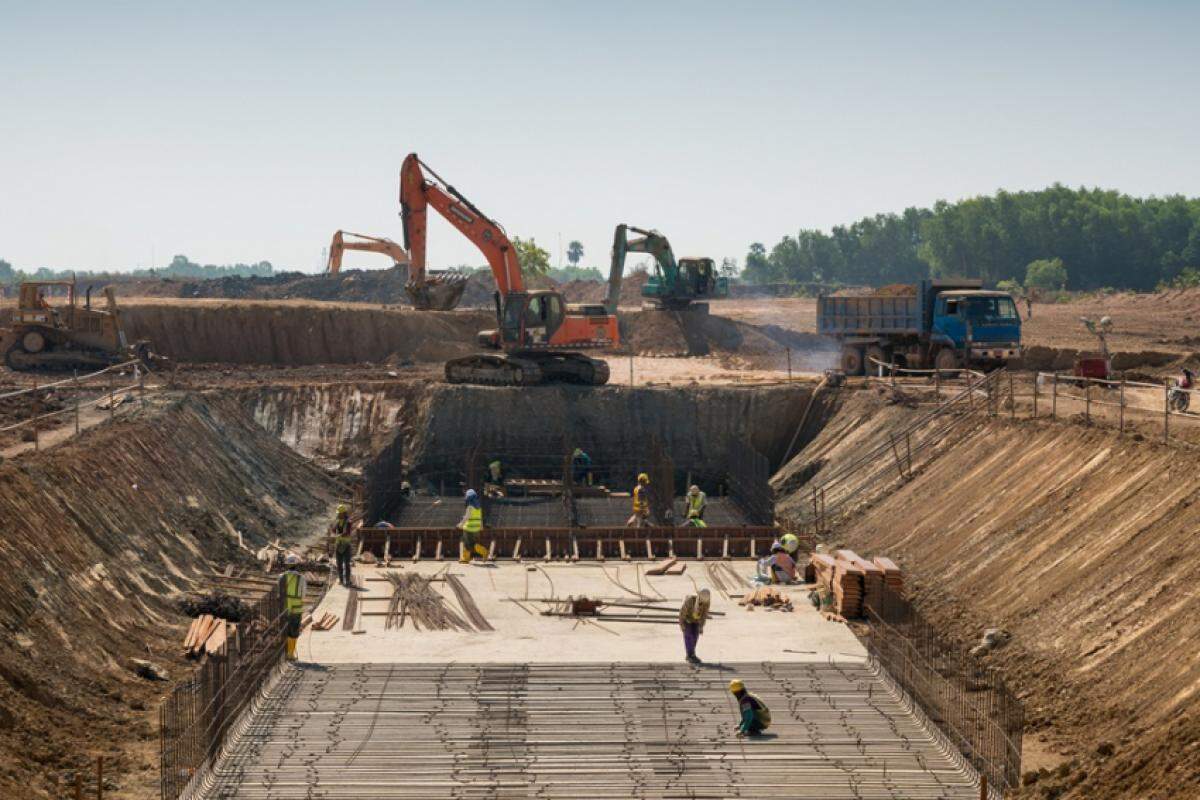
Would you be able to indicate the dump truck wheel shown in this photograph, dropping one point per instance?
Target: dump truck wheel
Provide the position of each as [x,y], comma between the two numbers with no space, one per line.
[946,359]
[33,342]
[852,361]
[876,352]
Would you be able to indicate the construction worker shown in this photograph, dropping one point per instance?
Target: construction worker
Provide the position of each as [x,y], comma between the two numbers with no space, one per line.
[581,467]
[342,544]
[696,502]
[641,503]
[778,567]
[755,716]
[292,586]
[471,526]
[692,616]
[496,472]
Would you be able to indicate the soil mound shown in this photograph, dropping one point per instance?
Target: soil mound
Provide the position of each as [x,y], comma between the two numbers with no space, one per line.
[597,291]
[101,537]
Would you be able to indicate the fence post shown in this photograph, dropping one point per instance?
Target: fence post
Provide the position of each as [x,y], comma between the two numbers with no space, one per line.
[789,362]
[1054,398]
[78,786]
[937,383]
[112,406]
[75,379]
[1012,398]
[1037,379]
[1166,413]
[36,409]
[1121,422]
[1087,400]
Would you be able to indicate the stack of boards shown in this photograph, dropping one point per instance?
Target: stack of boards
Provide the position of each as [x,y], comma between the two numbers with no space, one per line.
[853,581]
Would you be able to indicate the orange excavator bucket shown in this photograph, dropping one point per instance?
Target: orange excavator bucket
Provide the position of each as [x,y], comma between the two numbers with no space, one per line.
[439,291]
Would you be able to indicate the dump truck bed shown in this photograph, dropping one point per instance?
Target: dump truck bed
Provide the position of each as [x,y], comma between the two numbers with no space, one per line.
[869,315]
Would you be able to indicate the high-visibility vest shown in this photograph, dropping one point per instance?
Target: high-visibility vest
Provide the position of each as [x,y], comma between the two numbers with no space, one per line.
[293,594]
[474,523]
[640,506]
[341,538]
[695,504]
[757,706]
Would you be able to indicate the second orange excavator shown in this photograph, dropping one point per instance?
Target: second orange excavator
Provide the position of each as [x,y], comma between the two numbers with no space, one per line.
[537,331]
[435,291]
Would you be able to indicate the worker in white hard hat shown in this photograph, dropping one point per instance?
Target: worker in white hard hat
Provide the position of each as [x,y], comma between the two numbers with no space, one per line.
[343,544]
[641,503]
[696,502]
[292,586]
[692,616]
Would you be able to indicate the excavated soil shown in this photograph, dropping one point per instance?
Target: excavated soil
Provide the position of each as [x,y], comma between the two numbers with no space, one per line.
[100,537]
[1078,542]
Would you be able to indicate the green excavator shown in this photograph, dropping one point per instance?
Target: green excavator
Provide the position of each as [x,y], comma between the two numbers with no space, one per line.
[674,285]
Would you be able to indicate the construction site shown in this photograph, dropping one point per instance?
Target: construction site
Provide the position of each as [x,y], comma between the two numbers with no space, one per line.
[987,558]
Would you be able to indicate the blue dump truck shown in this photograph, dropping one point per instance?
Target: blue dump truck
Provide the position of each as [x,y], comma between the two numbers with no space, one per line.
[945,323]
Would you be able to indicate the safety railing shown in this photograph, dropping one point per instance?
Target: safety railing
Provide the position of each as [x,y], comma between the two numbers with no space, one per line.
[196,717]
[1060,395]
[106,383]
[936,380]
[968,702]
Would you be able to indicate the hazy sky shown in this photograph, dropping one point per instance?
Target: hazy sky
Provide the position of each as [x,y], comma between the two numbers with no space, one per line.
[252,130]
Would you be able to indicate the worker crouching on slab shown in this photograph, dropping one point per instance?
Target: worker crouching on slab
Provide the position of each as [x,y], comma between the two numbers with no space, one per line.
[292,586]
[755,716]
[471,526]
[342,544]
[692,616]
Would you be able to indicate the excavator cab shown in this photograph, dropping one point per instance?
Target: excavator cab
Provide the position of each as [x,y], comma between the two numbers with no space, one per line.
[528,319]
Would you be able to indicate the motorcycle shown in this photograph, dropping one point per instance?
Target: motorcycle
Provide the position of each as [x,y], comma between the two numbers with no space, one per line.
[1179,396]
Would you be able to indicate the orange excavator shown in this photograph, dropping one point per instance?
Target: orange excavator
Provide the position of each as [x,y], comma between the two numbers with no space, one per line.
[537,331]
[437,291]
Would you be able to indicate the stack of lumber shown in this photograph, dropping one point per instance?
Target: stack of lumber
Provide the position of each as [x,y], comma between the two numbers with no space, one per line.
[325,622]
[208,635]
[853,581]
[892,577]
[767,597]
[671,566]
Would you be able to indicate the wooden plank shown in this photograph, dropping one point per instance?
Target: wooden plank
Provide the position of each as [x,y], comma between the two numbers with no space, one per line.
[437,553]
[574,549]
[546,557]
[725,548]
[649,551]
[699,549]
[491,556]
[516,556]
[417,551]
[661,567]
[624,555]
[671,547]
[387,550]
[599,549]
[191,634]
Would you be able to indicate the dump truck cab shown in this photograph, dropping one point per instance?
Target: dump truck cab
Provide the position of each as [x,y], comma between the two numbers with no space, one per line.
[984,321]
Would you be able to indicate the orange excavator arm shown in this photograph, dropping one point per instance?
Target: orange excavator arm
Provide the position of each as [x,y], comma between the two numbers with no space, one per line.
[418,192]
[370,244]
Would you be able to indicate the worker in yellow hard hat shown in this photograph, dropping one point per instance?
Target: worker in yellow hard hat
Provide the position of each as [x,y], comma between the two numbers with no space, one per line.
[641,503]
[343,544]
[696,501]
[292,586]
[791,544]
[755,716]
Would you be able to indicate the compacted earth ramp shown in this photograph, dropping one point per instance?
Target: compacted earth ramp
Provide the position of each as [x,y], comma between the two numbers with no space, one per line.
[602,730]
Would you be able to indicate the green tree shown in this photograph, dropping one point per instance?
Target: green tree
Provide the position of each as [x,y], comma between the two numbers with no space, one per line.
[574,252]
[758,268]
[6,272]
[533,259]
[1046,273]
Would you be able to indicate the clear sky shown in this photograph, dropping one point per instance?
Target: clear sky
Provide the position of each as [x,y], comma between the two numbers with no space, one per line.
[252,130]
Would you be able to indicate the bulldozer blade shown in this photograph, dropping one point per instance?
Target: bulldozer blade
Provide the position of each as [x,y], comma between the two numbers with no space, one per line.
[439,292]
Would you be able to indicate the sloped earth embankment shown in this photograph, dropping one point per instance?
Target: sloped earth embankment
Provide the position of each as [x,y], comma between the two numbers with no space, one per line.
[100,537]
[1082,545]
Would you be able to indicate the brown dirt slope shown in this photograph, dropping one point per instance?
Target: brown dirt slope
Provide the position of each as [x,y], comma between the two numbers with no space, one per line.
[1082,545]
[99,537]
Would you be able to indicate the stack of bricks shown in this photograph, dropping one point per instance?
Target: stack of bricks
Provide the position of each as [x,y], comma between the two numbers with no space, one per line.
[854,581]
[892,577]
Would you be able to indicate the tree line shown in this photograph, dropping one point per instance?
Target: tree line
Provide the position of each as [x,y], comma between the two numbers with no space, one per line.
[180,267]
[1081,238]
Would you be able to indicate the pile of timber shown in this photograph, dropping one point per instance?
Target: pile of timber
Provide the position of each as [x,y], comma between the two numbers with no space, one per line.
[671,566]
[208,635]
[854,582]
[325,622]
[767,597]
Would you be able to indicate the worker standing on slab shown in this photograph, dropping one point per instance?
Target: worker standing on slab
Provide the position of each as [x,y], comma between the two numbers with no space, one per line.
[471,526]
[755,716]
[581,467]
[696,502]
[292,586]
[692,616]
[641,503]
[342,544]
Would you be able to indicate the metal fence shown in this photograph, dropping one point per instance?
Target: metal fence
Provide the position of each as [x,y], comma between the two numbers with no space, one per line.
[968,702]
[196,717]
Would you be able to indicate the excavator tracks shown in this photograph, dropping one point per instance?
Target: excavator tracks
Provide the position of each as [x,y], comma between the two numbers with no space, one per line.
[528,369]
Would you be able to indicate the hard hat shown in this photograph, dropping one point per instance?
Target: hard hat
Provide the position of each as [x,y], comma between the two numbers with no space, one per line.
[790,542]
[775,545]
[643,477]
[291,559]
[341,509]
[578,451]
[704,596]
[736,686]
[693,489]
[471,495]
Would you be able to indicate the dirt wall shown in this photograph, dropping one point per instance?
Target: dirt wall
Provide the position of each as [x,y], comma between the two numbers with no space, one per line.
[100,536]
[1082,545]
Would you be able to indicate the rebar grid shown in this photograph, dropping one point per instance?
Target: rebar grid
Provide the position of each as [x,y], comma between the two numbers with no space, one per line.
[585,731]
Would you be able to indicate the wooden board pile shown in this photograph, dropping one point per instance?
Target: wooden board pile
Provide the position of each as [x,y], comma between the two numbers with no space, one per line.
[767,597]
[325,623]
[671,566]
[853,581]
[208,635]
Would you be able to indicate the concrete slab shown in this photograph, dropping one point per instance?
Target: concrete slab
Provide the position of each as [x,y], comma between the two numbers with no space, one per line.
[523,635]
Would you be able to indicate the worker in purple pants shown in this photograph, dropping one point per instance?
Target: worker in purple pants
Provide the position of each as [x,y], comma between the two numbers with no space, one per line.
[692,616]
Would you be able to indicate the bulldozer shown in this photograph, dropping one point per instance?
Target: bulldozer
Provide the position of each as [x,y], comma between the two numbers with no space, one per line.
[67,335]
